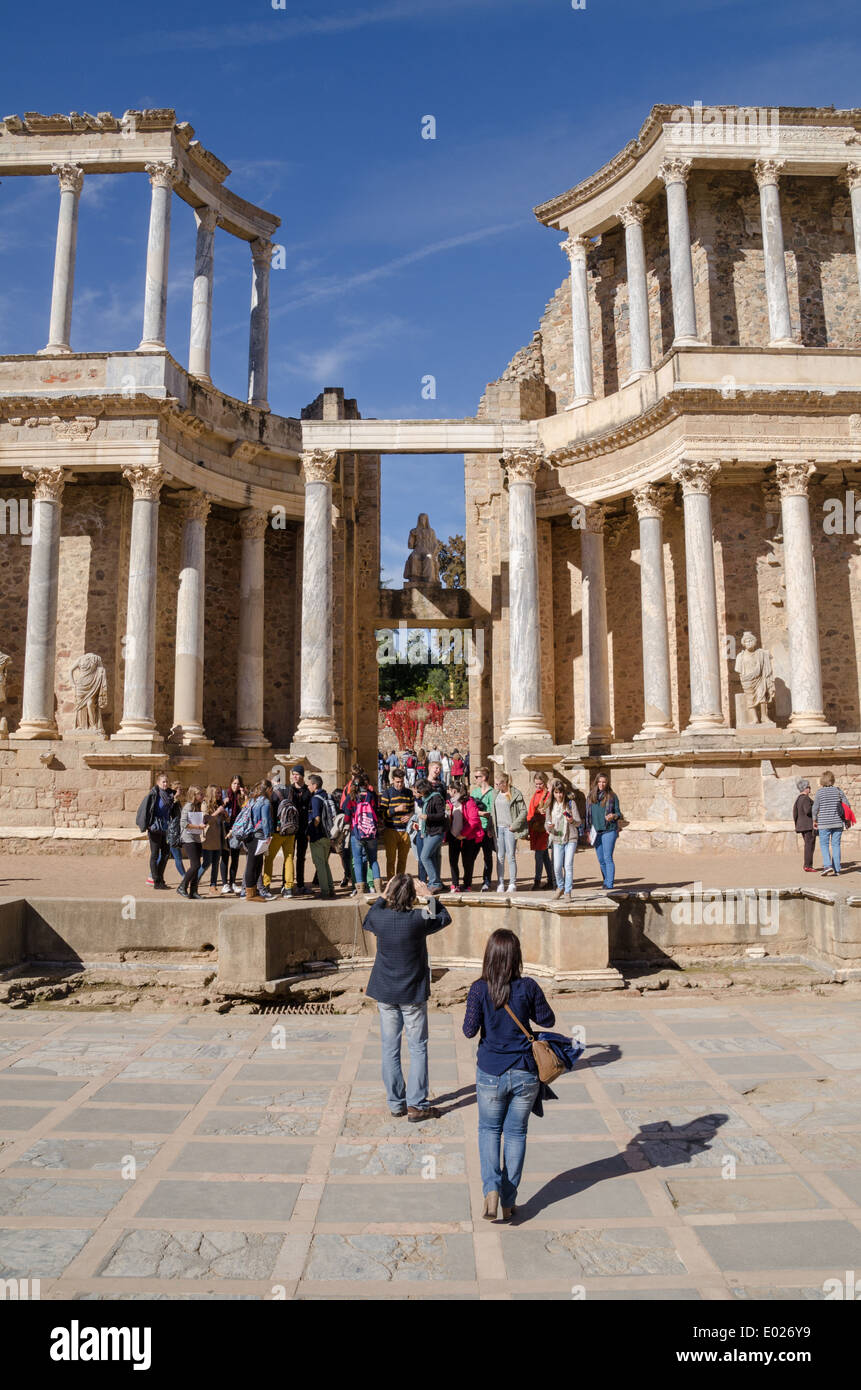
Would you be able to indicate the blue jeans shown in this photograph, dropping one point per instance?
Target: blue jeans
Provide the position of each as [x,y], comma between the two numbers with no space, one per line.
[504,1105]
[604,846]
[176,856]
[364,856]
[432,859]
[211,860]
[418,842]
[506,848]
[563,864]
[412,1019]
[829,843]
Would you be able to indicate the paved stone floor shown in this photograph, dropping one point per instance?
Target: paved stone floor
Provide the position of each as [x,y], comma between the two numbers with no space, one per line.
[705,1150]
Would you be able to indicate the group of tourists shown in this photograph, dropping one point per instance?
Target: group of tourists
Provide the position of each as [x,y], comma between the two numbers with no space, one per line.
[825,816]
[453,766]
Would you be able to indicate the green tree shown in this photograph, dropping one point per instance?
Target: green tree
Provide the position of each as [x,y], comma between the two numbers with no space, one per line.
[452,563]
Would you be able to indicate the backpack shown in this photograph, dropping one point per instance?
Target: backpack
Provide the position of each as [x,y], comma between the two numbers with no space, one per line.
[340,831]
[288,817]
[328,814]
[365,820]
[243,826]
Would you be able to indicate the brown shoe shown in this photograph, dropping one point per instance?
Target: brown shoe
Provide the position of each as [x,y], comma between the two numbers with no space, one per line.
[415,1116]
[508,1213]
[491,1206]
[560,893]
[252,895]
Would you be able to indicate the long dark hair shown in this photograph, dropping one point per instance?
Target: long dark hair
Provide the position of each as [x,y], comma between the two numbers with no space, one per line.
[604,796]
[400,894]
[502,963]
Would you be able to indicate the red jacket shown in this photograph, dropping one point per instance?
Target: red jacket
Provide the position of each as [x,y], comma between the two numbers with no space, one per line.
[471,819]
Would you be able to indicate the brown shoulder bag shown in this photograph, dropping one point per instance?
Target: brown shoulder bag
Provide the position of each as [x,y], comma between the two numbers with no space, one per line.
[548,1064]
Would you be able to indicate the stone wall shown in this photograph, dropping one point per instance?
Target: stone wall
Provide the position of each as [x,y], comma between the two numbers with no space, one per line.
[453,734]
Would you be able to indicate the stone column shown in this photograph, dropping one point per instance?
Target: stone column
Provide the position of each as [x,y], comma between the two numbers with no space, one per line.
[317,704]
[162,177]
[596,672]
[801,616]
[674,173]
[577,248]
[853,181]
[190,609]
[37,704]
[766,172]
[249,666]
[138,721]
[258,337]
[650,502]
[703,642]
[71,182]
[632,216]
[525,719]
[201,296]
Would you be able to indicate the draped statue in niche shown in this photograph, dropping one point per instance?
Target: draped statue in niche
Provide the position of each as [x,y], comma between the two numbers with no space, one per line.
[422,566]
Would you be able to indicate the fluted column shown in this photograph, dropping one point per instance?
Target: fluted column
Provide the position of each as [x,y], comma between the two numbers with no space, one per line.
[650,502]
[258,337]
[703,640]
[576,248]
[37,704]
[596,677]
[190,611]
[162,177]
[317,704]
[633,216]
[802,622]
[853,181]
[71,182]
[674,173]
[525,719]
[766,172]
[138,721]
[200,343]
[249,667]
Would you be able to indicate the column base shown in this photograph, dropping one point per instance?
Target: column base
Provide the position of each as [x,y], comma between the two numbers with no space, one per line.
[203,377]
[136,731]
[150,345]
[526,726]
[259,405]
[783,343]
[637,375]
[688,342]
[36,728]
[250,738]
[810,722]
[184,735]
[600,734]
[578,401]
[656,731]
[705,724]
[316,729]
[55,350]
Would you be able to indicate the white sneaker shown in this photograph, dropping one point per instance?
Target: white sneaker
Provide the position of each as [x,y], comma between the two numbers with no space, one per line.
[512,888]
[226,889]
[501,888]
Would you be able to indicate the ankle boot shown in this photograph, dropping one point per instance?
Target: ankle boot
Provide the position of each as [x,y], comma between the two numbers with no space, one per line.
[251,895]
[378,885]
[508,1213]
[491,1206]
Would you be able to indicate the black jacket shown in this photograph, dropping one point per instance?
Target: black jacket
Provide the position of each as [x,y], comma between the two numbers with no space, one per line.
[801,813]
[147,809]
[401,971]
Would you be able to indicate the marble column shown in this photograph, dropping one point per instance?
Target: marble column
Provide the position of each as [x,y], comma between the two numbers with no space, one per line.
[525,719]
[37,704]
[596,667]
[766,172]
[853,181]
[802,622]
[138,721]
[200,343]
[162,177]
[71,182]
[632,216]
[674,173]
[190,611]
[577,249]
[703,640]
[650,502]
[317,703]
[249,666]
[258,337]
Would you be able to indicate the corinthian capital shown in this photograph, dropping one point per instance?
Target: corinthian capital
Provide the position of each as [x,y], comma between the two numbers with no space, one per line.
[594,517]
[793,477]
[852,175]
[675,170]
[261,251]
[194,506]
[695,476]
[522,465]
[48,483]
[767,171]
[576,248]
[146,481]
[650,501]
[318,466]
[252,525]
[163,173]
[633,214]
[71,177]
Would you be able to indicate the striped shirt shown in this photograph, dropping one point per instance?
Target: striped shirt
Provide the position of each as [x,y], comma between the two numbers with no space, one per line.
[826,808]
[396,807]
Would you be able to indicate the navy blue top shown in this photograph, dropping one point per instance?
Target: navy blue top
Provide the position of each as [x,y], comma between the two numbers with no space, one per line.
[401,969]
[502,1044]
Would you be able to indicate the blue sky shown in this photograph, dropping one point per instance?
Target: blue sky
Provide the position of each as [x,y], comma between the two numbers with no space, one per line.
[405,257]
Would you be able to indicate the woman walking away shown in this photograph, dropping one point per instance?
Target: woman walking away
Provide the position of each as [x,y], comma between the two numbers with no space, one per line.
[213,836]
[464,835]
[256,845]
[509,823]
[563,829]
[602,817]
[539,805]
[191,834]
[802,815]
[506,1078]
[829,821]
[234,798]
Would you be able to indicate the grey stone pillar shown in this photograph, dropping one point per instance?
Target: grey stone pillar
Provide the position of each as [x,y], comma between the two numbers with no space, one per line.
[632,216]
[577,249]
[317,705]
[190,611]
[766,173]
[162,176]
[249,666]
[258,337]
[801,617]
[71,182]
[37,704]
[703,641]
[674,173]
[525,719]
[200,343]
[853,181]
[650,502]
[596,678]
[138,721]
